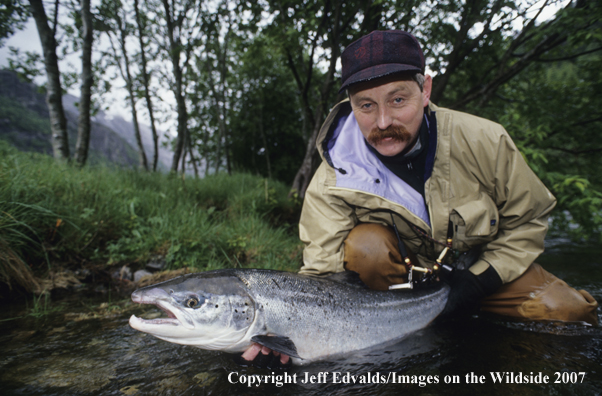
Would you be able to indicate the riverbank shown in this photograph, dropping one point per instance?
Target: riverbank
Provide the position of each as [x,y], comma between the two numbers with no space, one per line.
[62,226]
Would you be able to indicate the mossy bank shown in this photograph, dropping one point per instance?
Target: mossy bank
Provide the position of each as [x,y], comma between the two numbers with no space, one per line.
[55,215]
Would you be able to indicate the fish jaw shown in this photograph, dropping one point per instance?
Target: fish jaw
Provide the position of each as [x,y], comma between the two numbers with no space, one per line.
[186,326]
[162,326]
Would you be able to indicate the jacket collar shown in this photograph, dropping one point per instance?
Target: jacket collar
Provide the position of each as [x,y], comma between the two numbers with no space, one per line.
[343,147]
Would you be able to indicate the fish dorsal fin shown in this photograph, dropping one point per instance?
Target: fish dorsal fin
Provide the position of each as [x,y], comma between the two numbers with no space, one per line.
[347,277]
[278,343]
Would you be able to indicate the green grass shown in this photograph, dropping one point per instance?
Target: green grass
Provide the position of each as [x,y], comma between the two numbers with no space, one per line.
[56,214]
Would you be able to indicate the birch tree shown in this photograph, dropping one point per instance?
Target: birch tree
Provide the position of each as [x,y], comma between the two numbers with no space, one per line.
[87,80]
[141,24]
[118,30]
[54,94]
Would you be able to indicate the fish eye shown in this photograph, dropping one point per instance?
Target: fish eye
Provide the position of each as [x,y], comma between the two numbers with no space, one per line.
[192,302]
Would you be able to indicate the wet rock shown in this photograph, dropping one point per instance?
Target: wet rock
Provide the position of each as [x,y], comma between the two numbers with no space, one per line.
[100,288]
[23,335]
[79,316]
[56,330]
[204,379]
[163,276]
[58,370]
[140,274]
[125,273]
[157,263]
[177,384]
[129,390]
[57,280]
[84,274]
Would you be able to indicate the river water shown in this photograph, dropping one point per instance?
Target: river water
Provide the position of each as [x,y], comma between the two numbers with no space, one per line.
[89,349]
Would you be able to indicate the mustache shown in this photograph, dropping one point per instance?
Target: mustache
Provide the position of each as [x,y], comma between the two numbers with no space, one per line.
[397,132]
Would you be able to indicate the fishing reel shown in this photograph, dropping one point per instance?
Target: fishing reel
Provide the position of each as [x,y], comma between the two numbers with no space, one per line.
[429,275]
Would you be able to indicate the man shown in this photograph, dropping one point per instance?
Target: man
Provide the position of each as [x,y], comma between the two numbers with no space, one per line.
[451,186]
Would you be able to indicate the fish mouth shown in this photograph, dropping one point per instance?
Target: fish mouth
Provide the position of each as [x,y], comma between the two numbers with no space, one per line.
[158,297]
[170,320]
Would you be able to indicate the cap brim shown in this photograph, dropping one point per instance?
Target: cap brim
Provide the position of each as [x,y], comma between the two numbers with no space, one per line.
[374,72]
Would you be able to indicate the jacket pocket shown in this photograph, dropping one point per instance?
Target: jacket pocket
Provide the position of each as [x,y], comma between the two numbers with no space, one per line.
[475,222]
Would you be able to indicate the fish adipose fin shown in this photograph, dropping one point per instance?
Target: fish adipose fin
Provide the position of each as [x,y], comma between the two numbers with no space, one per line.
[277,343]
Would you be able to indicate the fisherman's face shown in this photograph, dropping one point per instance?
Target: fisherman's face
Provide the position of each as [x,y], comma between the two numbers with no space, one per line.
[389,112]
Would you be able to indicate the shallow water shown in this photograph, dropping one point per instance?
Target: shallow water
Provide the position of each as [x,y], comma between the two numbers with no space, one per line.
[89,350]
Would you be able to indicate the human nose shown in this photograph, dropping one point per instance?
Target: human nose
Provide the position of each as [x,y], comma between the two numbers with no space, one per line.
[384,119]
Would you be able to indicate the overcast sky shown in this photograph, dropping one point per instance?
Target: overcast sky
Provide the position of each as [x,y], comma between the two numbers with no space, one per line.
[28,40]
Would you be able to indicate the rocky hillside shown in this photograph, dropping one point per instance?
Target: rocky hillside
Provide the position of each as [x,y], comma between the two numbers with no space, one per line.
[24,122]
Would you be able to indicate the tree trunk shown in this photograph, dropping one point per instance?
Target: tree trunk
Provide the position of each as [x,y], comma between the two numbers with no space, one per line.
[83,125]
[305,172]
[174,52]
[54,96]
[220,95]
[184,152]
[146,82]
[264,140]
[193,160]
[142,161]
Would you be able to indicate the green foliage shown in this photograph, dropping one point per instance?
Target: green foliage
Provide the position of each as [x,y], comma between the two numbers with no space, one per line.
[117,216]
[258,80]
[28,65]
[13,14]
[40,308]
[553,112]
[268,120]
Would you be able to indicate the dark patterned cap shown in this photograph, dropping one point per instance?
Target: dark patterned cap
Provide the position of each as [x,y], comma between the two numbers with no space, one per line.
[379,54]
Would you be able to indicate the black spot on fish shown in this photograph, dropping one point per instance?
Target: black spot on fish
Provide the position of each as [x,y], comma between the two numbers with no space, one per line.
[216,305]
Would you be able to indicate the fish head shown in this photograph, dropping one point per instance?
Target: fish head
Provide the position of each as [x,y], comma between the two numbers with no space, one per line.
[211,312]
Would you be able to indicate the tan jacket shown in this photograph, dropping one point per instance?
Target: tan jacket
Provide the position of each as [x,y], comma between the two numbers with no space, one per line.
[479,181]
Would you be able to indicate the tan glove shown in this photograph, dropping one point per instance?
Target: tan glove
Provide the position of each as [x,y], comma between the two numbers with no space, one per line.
[371,251]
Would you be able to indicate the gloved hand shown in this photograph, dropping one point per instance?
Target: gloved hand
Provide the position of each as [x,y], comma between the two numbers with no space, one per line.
[468,289]
[263,357]
[371,250]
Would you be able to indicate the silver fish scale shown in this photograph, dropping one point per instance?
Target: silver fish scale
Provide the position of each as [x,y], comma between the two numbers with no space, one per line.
[342,317]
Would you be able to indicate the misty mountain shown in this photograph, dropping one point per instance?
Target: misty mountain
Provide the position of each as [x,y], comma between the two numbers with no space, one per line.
[25,123]
[125,129]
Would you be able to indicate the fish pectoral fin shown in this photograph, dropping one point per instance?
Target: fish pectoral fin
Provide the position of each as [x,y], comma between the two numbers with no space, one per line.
[278,343]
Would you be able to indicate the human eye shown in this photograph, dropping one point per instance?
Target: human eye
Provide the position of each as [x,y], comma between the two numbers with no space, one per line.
[398,100]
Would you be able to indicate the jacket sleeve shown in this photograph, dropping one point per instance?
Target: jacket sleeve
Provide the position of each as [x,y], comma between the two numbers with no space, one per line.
[524,204]
[324,225]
